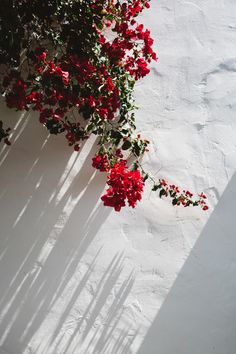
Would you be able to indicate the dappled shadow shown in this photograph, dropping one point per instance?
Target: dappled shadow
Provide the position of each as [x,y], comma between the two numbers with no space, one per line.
[198,315]
[50,215]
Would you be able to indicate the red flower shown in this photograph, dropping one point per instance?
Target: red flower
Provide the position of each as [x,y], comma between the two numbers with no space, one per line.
[142,68]
[124,185]
[202,195]
[189,194]
[17,97]
[109,84]
[77,147]
[100,162]
[103,112]
[45,114]
[163,182]
[40,54]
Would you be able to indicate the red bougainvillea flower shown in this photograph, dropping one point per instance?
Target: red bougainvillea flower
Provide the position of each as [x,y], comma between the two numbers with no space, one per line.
[125,185]
[101,163]
[17,97]
[40,54]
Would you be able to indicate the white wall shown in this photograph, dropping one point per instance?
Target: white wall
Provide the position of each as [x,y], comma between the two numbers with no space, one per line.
[76,277]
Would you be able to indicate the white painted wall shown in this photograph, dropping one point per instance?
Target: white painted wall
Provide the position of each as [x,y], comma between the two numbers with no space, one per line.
[76,277]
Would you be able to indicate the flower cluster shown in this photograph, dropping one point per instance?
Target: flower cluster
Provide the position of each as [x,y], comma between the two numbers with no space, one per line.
[124,185]
[76,64]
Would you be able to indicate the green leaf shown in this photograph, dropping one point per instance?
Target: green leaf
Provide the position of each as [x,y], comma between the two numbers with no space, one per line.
[135,166]
[174,201]
[90,127]
[155,188]
[109,17]
[162,192]
[127,145]
[100,25]
[115,134]
[145,177]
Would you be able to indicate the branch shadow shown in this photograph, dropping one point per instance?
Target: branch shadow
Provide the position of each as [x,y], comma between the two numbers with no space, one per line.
[50,215]
[198,315]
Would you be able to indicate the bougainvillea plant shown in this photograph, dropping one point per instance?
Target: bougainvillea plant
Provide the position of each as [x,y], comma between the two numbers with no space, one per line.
[76,62]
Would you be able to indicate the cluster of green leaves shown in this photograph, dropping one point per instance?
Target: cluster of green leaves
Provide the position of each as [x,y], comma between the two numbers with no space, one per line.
[24,24]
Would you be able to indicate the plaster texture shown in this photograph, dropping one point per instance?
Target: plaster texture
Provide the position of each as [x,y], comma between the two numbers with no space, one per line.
[78,278]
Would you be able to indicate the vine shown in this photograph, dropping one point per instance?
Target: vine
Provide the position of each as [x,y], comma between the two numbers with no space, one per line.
[69,59]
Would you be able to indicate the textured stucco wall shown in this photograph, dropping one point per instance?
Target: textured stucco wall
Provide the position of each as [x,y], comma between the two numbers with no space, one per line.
[76,277]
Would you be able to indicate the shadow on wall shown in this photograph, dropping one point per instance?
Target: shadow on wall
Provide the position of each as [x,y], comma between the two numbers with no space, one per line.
[49,218]
[198,315]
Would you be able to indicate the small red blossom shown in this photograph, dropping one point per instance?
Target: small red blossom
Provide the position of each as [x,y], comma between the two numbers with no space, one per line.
[118,153]
[163,182]
[103,112]
[16,98]
[189,194]
[110,85]
[77,147]
[40,54]
[101,163]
